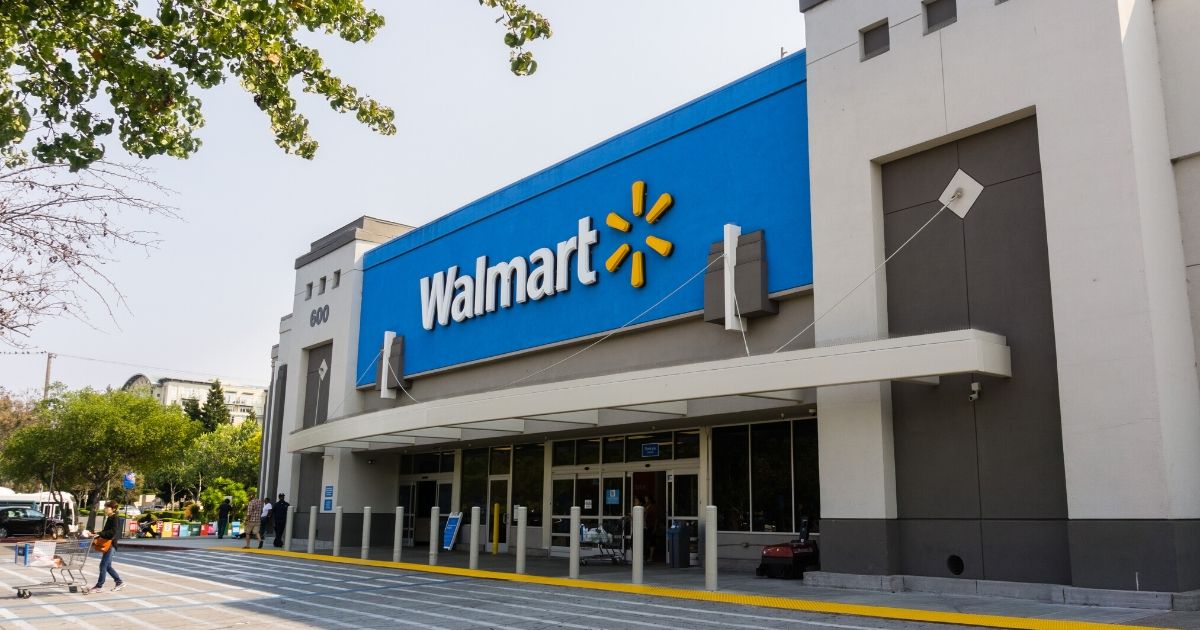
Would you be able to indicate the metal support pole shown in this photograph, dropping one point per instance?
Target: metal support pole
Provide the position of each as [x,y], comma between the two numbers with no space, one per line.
[366,543]
[337,531]
[710,548]
[522,512]
[495,529]
[475,527]
[312,529]
[435,515]
[287,529]
[398,541]
[638,525]
[574,566]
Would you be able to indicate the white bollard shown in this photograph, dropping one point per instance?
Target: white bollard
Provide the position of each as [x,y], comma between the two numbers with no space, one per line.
[337,531]
[287,529]
[435,515]
[638,525]
[312,529]
[366,543]
[710,548]
[475,527]
[574,568]
[398,541]
[522,513]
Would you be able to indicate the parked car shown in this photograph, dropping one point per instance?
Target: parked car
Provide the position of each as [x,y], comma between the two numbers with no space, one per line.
[132,510]
[26,521]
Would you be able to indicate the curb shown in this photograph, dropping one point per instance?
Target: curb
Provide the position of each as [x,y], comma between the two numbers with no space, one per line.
[782,603]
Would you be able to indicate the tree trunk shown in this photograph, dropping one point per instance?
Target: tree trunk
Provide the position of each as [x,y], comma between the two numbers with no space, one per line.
[94,502]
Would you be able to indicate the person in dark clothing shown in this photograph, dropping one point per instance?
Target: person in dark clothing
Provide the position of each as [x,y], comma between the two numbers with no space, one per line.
[280,513]
[223,518]
[109,533]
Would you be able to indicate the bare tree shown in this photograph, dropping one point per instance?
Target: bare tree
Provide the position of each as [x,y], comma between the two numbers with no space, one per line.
[58,230]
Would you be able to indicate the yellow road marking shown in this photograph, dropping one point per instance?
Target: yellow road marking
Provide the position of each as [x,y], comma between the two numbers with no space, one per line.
[765,601]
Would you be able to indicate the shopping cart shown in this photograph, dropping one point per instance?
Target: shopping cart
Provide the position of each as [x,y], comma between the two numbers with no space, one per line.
[65,564]
[606,546]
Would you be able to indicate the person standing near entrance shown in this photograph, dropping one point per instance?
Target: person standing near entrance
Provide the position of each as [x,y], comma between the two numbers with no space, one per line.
[223,518]
[108,541]
[253,520]
[280,511]
[265,521]
[653,529]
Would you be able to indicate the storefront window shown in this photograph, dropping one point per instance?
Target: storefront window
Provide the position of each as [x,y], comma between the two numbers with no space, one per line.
[427,463]
[770,475]
[639,448]
[687,444]
[528,460]
[501,463]
[587,451]
[807,474]
[447,465]
[474,479]
[563,453]
[731,477]
[406,464]
[614,450]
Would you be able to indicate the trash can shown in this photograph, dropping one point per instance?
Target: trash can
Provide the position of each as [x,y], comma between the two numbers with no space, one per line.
[678,547]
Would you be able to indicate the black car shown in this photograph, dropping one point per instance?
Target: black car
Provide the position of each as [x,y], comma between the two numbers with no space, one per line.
[26,521]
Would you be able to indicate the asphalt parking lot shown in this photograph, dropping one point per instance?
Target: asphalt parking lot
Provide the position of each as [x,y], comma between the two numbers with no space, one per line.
[183,589]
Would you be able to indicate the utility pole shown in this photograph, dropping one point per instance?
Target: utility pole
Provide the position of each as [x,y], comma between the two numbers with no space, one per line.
[46,385]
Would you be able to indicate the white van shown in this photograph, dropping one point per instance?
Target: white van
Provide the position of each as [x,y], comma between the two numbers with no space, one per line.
[55,505]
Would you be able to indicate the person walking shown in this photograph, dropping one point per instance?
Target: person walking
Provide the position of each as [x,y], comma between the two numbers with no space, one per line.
[108,541]
[253,520]
[264,521]
[223,518]
[280,511]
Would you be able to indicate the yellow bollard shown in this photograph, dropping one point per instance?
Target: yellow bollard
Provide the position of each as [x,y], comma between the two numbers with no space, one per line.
[495,528]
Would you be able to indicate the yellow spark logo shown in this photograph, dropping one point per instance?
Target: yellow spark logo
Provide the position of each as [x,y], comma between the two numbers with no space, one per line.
[663,247]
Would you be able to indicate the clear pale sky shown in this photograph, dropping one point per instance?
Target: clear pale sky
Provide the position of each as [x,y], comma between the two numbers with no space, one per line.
[209,298]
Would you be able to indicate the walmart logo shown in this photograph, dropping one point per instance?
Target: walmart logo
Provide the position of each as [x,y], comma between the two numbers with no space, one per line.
[457,295]
[663,247]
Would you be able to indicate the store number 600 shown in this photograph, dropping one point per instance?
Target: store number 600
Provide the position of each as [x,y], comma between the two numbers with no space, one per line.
[319,316]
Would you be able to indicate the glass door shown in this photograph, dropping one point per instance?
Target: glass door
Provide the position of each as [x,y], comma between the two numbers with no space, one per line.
[613,514]
[568,490]
[683,509]
[407,493]
[497,495]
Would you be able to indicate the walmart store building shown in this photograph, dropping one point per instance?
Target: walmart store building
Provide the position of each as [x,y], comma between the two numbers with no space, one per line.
[1013,396]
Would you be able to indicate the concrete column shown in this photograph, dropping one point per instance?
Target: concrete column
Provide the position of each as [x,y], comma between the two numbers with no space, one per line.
[435,515]
[312,529]
[337,531]
[574,566]
[398,540]
[521,514]
[475,527]
[366,538]
[287,529]
[638,524]
[710,548]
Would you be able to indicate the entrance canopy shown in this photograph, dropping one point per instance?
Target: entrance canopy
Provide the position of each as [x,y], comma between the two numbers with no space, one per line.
[662,392]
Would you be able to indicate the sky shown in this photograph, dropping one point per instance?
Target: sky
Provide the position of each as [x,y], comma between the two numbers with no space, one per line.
[207,300]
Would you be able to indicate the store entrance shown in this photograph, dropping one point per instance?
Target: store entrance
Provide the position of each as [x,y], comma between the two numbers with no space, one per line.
[497,496]
[423,495]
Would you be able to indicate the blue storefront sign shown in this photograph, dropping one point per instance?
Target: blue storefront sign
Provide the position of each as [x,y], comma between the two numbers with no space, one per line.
[328,505]
[604,239]
[328,491]
[650,450]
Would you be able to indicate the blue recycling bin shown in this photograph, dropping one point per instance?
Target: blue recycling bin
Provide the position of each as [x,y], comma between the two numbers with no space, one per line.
[677,546]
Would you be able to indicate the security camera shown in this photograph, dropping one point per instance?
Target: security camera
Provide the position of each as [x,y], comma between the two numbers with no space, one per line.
[974,395]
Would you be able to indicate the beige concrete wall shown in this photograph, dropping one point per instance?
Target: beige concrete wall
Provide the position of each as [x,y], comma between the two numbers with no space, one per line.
[1126,357]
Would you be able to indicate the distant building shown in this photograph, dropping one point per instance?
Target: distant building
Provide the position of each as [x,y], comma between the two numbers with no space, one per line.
[240,399]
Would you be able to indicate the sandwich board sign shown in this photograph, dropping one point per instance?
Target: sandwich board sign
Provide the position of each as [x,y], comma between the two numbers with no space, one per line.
[451,531]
